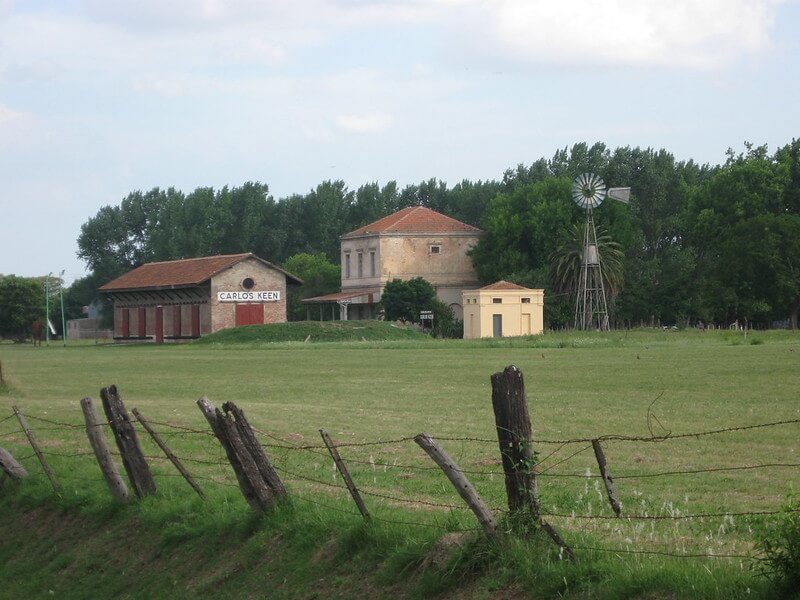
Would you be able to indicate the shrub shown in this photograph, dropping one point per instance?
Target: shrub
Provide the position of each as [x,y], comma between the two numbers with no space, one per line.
[780,544]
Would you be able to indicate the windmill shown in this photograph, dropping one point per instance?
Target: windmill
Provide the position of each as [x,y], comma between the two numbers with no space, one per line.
[591,308]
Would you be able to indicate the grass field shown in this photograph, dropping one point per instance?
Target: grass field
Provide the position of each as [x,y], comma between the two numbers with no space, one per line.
[638,383]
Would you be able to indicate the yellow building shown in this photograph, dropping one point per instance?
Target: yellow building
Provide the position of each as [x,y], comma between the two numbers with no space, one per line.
[503,309]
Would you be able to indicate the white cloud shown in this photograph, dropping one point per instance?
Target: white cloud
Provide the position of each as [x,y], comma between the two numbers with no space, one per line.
[682,33]
[7,115]
[372,122]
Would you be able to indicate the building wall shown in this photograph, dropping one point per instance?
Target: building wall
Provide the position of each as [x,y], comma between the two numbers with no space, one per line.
[441,260]
[87,329]
[518,317]
[223,314]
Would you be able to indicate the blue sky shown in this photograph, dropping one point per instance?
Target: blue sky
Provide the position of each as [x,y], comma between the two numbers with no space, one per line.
[102,97]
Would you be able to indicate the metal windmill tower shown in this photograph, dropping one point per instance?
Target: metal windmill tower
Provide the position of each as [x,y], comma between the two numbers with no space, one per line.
[591,308]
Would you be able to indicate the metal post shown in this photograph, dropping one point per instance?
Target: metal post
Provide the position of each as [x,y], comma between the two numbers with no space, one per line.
[47,309]
[63,321]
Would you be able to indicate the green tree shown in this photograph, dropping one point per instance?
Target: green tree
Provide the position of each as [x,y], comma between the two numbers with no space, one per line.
[566,261]
[522,230]
[319,275]
[406,299]
[22,301]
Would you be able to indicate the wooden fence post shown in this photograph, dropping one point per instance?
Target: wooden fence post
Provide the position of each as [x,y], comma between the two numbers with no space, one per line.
[42,460]
[607,479]
[345,474]
[514,434]
[460,482]
[10,466]
[223,430]
[173,459]
[128,443]
[97,439]
[268,472]
[513,423]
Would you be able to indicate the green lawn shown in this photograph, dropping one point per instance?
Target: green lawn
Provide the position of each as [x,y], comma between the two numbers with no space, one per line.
[579,386]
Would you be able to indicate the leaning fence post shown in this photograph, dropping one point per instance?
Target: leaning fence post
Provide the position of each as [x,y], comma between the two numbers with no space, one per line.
[97,440]
[607,479]
[268,472]
[460,482]
[513,423]
[42,460]
[128,443]
[345,474]
[173,459]
[224,431]
[10,466]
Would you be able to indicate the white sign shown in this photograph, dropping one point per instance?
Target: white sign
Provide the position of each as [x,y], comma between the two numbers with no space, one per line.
[270,296]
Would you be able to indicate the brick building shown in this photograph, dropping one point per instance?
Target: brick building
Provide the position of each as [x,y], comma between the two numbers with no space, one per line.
[413,242]
[184,299]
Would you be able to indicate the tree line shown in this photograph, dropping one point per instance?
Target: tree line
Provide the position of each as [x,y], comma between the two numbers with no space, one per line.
[697,243]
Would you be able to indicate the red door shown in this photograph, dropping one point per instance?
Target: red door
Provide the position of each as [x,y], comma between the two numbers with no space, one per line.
[126,323]
[249,314]
[159,324]
[176,320]
[196,320]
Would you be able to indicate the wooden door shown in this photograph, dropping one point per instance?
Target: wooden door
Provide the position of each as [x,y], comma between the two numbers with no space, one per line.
[176,320]
[159,324]
[196,320]
[126,322]
[497,325]
[249,314]
[142,322]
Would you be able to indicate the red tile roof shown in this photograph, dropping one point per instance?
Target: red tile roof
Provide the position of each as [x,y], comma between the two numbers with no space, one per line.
[181,273]
[415,219]
[503,285]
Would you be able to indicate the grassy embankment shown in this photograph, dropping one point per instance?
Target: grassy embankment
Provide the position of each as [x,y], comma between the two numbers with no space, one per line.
[361,391]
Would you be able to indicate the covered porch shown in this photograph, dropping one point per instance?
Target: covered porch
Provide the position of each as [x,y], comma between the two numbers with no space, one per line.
[352,305]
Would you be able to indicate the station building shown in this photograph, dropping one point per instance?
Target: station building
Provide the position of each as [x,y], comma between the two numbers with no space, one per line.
[413,242]
[185,299]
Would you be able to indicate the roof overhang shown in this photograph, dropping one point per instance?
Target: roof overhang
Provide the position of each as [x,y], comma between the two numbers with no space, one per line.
[356,296]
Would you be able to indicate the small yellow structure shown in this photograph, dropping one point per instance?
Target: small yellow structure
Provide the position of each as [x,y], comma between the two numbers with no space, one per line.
[503,309]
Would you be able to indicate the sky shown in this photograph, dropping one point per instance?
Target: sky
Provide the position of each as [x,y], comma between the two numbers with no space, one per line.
[99,98]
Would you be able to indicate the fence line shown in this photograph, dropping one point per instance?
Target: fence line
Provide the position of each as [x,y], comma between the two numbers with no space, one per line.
[288,448]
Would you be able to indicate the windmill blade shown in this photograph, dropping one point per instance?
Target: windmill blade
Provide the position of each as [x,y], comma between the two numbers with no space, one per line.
[623,194]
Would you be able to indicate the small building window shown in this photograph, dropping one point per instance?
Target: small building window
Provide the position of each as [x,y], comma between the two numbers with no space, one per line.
[497,300]
[347,266]
[435,249]
[248,283]
[525,300]
[360,265]
[372,263]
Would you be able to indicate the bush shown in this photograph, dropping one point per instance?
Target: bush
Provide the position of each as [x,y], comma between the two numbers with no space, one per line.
[780,544]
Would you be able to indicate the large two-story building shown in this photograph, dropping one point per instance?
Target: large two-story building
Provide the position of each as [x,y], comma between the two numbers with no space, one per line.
[413,242]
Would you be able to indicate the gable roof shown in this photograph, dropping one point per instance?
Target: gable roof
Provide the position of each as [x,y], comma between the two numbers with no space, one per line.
[415,219]
[503,285]
[182,273]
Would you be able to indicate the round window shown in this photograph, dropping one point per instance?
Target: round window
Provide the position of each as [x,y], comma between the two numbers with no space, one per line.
[248,283]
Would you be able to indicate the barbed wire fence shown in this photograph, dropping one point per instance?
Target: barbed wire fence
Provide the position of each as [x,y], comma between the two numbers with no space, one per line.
[383,470]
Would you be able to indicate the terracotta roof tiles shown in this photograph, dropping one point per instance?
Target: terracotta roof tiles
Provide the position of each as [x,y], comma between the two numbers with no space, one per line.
[180,273]
[503,285]
[415,219]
